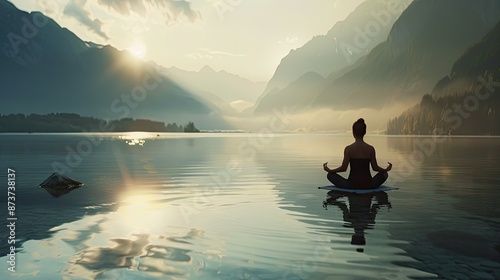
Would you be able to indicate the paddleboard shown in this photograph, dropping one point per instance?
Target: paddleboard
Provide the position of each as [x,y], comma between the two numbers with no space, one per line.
[359,191]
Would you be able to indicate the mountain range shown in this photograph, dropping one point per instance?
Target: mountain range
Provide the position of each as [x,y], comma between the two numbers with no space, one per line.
[45,68]
[385,53]
[229,91]
[346,42]
[481,59]
[465,102]
[421,48]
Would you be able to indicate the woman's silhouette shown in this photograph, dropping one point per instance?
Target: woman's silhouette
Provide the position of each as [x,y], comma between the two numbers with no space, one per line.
[359,155]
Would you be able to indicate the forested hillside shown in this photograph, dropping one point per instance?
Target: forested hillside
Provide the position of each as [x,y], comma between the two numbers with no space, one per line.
[465,102]
[65,122]
[472,112]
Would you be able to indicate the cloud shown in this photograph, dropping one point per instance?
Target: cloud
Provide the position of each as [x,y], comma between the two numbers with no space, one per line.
[172,9]
[76,10]
[289,40]
[195,55]
[209,54]
[222,53]
[49,7]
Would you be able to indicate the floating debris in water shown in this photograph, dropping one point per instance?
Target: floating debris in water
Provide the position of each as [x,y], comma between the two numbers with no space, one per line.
[58,184]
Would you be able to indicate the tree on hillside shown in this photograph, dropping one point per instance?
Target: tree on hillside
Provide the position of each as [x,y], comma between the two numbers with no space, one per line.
[191,128]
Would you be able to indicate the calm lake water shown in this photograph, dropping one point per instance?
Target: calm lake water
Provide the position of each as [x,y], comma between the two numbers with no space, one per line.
[240,206]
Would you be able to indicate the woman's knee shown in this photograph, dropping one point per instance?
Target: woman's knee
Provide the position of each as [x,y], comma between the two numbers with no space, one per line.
[331,175]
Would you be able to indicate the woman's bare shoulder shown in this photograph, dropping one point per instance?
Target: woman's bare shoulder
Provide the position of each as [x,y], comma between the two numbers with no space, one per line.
[370,148]
[347,148]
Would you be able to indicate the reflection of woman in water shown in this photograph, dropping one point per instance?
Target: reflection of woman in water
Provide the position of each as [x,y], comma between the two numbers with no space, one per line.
[359,155]
[360,214]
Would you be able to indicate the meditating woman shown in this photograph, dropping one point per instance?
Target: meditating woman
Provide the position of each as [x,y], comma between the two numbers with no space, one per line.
[360,156]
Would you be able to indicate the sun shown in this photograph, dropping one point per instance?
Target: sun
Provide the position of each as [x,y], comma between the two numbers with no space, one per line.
[138,50]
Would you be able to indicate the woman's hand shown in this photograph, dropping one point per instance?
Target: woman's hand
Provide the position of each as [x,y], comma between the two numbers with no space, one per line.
[325,167]
[388,167]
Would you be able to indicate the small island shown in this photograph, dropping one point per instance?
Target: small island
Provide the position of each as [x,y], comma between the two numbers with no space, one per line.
[69,122]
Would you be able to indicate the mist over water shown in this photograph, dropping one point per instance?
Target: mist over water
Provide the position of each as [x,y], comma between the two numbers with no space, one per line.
[319,120]
[240,206]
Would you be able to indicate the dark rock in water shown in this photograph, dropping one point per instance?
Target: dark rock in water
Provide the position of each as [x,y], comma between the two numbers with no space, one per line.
[60,181]
[59,192]
[59,184]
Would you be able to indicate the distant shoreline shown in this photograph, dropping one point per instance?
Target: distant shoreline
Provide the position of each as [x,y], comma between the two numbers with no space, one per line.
[74,123]
[249,133]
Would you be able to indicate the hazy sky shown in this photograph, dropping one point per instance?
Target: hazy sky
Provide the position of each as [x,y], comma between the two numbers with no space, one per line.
[245,37]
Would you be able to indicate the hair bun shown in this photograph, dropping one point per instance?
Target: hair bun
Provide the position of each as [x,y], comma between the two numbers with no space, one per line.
[360,120]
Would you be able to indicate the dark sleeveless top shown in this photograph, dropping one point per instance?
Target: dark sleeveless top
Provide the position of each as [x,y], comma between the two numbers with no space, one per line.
[360,176]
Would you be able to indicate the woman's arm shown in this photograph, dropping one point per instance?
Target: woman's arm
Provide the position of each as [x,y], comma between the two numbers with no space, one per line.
[343,167]
[375,166]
